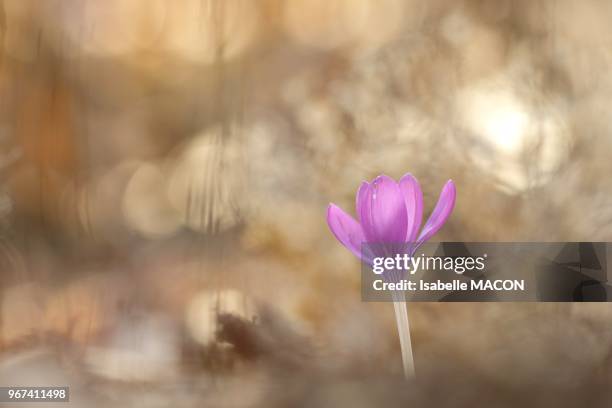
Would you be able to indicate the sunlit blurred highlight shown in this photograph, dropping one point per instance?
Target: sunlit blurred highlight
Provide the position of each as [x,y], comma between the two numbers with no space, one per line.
[497,116]
[145,203]
[203,183]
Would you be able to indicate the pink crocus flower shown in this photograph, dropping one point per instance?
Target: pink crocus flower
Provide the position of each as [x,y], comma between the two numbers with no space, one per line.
[389,216]
[389,213]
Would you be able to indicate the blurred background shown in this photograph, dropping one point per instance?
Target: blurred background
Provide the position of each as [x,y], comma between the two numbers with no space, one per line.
[165,169]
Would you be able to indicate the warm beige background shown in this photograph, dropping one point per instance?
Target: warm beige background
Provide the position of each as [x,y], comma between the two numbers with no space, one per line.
[164,162]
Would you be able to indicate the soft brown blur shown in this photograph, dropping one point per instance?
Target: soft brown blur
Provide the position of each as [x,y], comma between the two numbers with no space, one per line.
[165,169]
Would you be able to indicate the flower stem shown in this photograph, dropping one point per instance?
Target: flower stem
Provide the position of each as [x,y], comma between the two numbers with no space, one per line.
[403,329]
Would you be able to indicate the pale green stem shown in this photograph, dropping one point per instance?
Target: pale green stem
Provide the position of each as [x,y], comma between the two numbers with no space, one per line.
[403,329]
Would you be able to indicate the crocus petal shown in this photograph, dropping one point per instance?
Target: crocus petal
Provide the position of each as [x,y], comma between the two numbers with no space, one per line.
[345,229]
[444,207]
[364,211]
[362,198]
[387,211]
[413,197]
